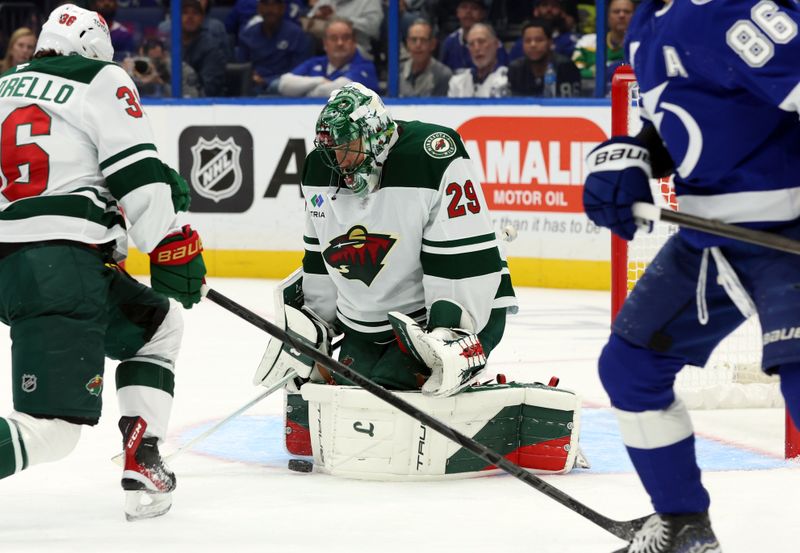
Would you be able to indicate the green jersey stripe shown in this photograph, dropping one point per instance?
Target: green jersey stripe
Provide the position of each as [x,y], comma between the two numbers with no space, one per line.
[505,289]
[462,265]
[126,153]
[461,242]
[66,206]
[73,68]
[137,373]
[140,173]
[310,240]
[313,263]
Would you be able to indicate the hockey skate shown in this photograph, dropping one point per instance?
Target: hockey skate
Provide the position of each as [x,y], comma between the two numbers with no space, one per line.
[674,534]
[147,481]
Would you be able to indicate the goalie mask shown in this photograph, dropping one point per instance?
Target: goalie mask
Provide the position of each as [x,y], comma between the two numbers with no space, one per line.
[72,30]
[354,133]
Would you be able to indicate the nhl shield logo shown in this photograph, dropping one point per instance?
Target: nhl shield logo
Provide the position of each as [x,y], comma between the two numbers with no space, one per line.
[29,382]
[216,170]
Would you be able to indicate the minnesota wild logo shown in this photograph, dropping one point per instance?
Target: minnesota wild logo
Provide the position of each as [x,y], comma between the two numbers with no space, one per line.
[95,385]
[359,254]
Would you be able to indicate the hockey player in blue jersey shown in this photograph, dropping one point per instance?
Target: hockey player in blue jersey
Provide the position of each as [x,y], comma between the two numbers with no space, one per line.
[720,88]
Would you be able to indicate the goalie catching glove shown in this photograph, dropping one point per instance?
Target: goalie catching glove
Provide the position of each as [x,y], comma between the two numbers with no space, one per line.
[618,174]
[455,356]
[177,269]
[280,359]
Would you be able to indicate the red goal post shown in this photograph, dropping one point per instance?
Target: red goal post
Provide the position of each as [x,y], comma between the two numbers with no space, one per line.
[732,377]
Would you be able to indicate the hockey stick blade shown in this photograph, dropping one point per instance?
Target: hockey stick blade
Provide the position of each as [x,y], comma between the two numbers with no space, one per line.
[119,458]
[621,529]
[654,213]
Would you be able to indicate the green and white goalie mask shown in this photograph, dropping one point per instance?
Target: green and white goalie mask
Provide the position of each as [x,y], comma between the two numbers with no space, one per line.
[354,133]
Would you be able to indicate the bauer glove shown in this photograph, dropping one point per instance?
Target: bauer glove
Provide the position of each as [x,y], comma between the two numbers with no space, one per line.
[618,175]
[176,266]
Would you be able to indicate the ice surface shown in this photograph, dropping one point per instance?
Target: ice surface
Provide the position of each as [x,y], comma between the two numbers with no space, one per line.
[235,493]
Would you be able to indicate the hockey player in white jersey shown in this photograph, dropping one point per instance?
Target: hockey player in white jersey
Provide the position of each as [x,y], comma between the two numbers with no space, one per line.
[398,241]
[77,153]
[720,88]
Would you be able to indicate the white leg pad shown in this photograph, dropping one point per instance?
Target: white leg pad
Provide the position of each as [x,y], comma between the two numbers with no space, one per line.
[153,405]
[46,440]
[654,429]
[163,347]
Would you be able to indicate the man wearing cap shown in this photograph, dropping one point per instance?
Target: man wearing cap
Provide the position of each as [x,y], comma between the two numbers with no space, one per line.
[274,46]
[201,50]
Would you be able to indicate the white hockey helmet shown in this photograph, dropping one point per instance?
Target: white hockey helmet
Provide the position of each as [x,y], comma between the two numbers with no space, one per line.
[73,30]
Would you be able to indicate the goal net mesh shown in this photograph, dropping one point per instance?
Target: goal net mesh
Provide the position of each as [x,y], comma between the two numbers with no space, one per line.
[732,377]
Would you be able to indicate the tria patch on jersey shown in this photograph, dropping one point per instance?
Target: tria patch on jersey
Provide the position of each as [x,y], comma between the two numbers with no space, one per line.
[440,145]
[359,255]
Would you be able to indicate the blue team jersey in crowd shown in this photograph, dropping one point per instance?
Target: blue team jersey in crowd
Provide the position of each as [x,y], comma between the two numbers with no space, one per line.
[273,56]
[719,80]
[358,70]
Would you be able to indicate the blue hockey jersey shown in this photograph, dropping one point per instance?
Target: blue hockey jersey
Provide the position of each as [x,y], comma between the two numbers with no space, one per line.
[720,80]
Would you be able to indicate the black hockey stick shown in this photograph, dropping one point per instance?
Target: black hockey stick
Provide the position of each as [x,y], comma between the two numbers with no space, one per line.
[654,213]
[621,529]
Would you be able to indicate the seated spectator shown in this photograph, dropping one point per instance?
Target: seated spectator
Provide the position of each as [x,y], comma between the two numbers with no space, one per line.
[211,26]
[340,65]
[244,12]
[201,50]
[489,78]
[421,74]
[366,16]
[151,71]
[121,37]
[274,46]
[455,54]
[20,49]
[564,36]
[526,75]
[619,16]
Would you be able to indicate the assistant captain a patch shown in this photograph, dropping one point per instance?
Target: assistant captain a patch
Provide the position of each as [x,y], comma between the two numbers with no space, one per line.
[359,254]
[440,145]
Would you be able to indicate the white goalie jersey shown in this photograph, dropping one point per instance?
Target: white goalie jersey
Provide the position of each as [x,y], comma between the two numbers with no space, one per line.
[425,234]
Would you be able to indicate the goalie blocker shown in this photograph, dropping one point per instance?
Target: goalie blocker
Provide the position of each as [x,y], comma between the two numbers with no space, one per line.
[351,433]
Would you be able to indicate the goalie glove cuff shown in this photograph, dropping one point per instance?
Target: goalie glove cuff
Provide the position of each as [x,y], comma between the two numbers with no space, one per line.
[454,356]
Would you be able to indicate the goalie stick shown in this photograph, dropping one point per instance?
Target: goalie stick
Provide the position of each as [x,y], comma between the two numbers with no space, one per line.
[621,529]
[650,212]
[119,458]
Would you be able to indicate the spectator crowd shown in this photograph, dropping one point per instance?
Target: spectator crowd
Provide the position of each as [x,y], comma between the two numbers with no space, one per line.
[296,48]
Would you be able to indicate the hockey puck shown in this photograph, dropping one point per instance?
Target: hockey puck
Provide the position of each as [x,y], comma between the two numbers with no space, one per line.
[300,465]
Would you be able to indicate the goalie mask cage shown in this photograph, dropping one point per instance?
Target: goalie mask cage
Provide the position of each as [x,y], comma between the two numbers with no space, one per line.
[732,378]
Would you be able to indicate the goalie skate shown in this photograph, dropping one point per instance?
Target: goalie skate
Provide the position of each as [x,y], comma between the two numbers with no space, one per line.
[146,479]
[674,534]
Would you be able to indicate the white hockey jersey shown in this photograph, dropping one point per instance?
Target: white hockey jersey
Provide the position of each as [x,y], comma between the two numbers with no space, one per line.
[77,146]
[464,84]
[424,234]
